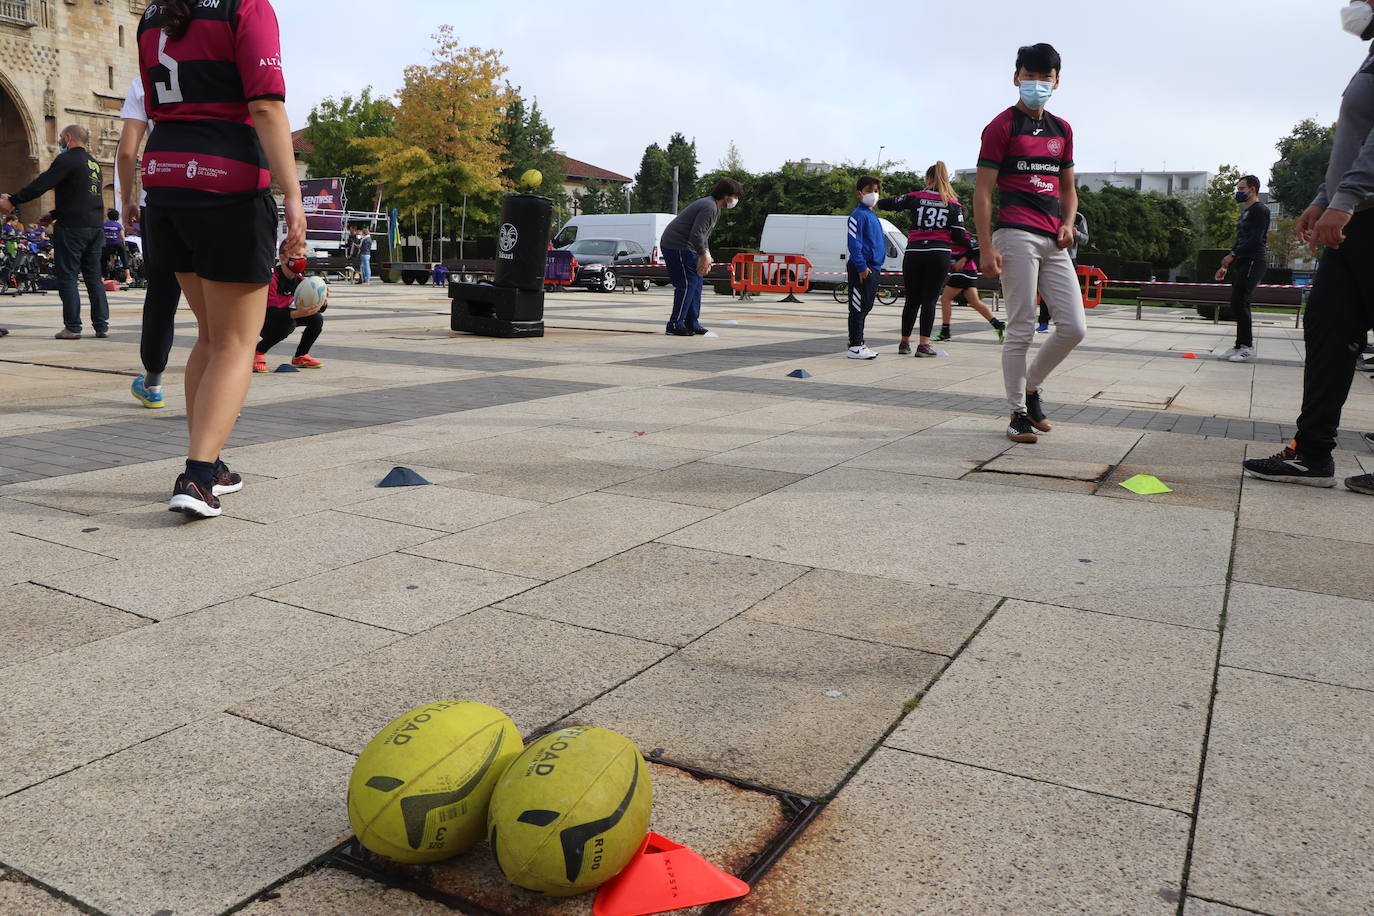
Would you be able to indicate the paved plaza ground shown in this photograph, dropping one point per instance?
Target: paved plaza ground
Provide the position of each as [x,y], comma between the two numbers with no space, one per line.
[863,637]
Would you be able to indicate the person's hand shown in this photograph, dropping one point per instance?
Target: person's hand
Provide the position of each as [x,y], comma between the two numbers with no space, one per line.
[45,220]
[1307,222]
[1221,275]
[863,274]
[295,223]
[130,220]
[1066,236]
[1227,261]
[704,264]
[305,311]
[992,262]
[960,264]
[1330,229]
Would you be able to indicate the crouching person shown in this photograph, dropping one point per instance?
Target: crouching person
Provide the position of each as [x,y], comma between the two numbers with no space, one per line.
[283,316]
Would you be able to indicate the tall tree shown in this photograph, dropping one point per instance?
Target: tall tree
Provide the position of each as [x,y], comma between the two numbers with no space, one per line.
[528,141]
[601,197]
[332,126]
[682,154]
[732,161]
[654,182]
[1218,209]
[1301,168]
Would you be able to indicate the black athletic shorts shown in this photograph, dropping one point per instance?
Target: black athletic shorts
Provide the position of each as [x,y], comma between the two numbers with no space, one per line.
[963,279]
[232,243]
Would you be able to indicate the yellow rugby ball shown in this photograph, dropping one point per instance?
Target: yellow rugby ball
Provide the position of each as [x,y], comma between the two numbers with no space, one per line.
[571,811]
[420,789]
[532,179]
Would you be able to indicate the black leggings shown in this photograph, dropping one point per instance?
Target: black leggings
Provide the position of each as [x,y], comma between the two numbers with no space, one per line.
[279,324]
[924,274]
[160,300]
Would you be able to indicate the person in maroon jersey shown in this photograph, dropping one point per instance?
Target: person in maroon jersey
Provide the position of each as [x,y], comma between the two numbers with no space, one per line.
[937,227]
[215,92]
[1027,155]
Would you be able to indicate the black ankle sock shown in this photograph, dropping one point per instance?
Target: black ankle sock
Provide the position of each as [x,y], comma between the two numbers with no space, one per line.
[152,380]
[944,329]
[202,472]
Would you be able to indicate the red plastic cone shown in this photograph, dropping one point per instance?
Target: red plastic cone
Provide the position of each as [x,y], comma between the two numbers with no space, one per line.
[1190,356]
[665,876]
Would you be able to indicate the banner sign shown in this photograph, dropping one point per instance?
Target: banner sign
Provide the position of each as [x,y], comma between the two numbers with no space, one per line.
[324,208]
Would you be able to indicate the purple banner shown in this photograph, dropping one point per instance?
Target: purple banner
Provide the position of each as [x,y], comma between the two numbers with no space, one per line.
[324,208]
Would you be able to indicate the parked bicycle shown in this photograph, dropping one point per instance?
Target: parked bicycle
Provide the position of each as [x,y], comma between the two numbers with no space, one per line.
[886,294]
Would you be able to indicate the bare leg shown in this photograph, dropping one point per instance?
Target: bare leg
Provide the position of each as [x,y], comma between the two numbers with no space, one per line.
[230,317]
[947,305]
[976,303]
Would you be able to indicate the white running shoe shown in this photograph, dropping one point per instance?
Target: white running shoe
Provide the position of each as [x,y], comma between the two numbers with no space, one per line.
[861,352]
[1243,354]
[1234,351]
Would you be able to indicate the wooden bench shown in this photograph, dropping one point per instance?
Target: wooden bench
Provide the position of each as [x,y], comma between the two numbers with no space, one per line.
[1218,295]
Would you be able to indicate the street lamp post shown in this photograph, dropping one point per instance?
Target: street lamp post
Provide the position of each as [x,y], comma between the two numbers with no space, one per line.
[880,159]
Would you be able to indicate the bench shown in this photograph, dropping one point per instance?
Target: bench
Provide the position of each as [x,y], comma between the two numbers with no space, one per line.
[1218,296]
[333,266]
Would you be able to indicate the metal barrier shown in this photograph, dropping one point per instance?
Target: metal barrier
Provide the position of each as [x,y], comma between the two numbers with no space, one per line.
[771,273]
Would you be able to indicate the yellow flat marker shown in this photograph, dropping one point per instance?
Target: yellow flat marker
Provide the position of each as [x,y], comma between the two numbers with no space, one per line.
[1145,485]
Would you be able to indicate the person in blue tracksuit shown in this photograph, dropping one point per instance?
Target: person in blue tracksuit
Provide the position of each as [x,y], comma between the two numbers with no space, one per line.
[865,264]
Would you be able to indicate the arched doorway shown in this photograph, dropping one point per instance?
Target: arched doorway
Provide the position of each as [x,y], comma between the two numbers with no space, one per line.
[17,163]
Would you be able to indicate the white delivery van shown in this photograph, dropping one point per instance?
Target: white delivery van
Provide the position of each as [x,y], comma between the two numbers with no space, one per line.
[824,240]
[644,228]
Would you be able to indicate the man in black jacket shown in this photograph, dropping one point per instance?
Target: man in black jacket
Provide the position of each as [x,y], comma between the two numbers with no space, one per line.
[76,179]
[1246,262]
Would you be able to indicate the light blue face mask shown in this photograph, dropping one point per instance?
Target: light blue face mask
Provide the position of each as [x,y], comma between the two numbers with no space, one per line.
[1036,93]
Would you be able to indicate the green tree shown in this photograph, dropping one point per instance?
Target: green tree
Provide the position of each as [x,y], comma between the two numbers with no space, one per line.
[1180,236]
[1301,168]
[683,154]
[653,190]
[601,197]
[732,161]
[528,140]
[332,126]
[1218,210]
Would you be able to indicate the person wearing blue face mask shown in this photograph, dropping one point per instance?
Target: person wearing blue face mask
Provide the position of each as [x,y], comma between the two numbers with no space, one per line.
[1340,309]
[1245,263]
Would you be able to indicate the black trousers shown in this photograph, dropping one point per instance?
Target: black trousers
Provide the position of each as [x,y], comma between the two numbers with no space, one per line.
[924,274]
[279,324]
[160,300]
[1340,310]
[862,295]
[1245,276]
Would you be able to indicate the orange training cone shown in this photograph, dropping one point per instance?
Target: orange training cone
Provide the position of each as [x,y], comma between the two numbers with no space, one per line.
[665,876]
[1190,356]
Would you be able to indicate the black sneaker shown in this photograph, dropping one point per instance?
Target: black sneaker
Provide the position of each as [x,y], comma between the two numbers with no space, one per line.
[226,481]
[1036,412]
[679,332]
[190,498]
[700,330]
[1021,430]
[943,336]
[1361,484]
[1290,467]
[904,349]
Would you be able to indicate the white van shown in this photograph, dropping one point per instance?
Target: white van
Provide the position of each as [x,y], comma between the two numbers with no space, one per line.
[824,240]
[644,228]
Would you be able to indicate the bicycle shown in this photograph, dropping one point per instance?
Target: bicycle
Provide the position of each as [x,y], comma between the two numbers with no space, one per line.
[886,294]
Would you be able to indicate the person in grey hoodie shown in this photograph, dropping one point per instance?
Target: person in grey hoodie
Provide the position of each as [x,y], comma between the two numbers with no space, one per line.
[1340,309]
[688,255]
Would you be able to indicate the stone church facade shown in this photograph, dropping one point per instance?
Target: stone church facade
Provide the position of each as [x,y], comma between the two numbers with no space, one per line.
[62,62]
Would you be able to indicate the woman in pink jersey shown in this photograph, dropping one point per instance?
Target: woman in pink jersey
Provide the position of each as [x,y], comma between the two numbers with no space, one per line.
[937,225]
[216,95]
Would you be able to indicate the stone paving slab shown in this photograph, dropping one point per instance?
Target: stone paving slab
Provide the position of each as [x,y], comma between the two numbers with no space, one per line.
[1308,564]
[1037,466]
[1300,634]
[22,898]
[400,592]
[1196,907]
[948,449]
[555,540]
[805,451]
[1306,511]
[915,835]
[1106,704]
[38,621]
[261,559]
[442,508]
[701,483]
[1094,543]
[137,684]
[499,658]
[899,614]
[24,558]
[331,892]
[1033,481]
[781,707]
[191,822]
[665,594]
[1287,801]
[125,534]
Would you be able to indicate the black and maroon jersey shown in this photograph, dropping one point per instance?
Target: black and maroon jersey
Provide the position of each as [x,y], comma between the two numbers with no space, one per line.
[203,149]
[936,224]
[1029,156]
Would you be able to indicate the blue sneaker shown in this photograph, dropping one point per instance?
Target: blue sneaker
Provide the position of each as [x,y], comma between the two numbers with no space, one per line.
[149,399]
[1043,326]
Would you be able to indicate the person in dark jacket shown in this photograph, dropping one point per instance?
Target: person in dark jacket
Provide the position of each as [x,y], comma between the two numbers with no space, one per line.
[76,179]
[688,255]
[1340,309]
[867,251]
[1245,264]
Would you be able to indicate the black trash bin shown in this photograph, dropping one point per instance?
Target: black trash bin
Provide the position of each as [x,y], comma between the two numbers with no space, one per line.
[513,305]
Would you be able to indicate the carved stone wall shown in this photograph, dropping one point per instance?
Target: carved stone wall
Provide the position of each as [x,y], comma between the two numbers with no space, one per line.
[70,63]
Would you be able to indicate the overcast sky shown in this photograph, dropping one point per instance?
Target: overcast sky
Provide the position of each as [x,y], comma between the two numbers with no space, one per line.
[1190,83]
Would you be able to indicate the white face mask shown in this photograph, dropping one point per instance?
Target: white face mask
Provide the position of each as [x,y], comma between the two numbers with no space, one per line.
[732,203]
[869,199]
[1357,17]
